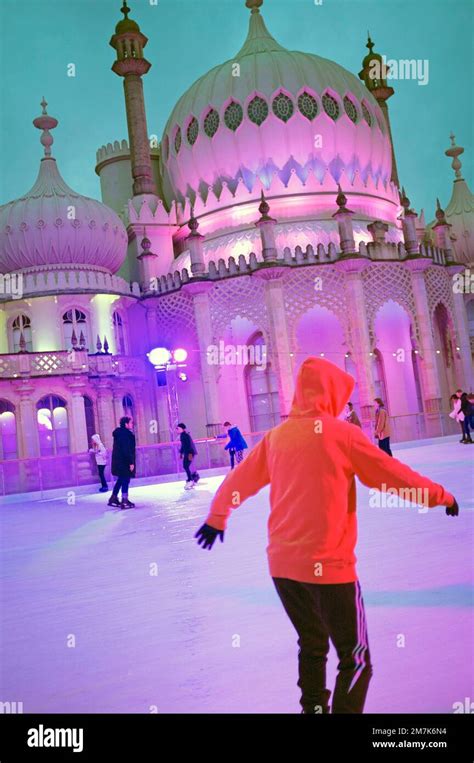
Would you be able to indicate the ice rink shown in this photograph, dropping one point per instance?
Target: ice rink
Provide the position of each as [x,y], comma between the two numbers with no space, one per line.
[87,625]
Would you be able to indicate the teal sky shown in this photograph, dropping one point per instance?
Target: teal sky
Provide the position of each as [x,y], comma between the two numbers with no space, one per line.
[39,38]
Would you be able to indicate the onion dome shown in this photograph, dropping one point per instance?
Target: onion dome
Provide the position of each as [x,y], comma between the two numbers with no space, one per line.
[126,24]
[270,112]
[53,225]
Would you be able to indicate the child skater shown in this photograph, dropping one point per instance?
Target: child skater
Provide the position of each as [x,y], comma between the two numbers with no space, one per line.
[236,444]
[310,461]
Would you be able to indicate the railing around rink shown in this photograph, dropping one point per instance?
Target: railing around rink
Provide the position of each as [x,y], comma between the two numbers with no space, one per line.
[75,469]
[72,470]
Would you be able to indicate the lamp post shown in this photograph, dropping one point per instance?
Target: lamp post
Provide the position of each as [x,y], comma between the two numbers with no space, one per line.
[167,364]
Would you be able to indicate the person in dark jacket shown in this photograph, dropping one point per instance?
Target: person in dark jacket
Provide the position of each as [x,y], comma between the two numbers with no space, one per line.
[188,451]
[466,408]
[236,444]
[123,462]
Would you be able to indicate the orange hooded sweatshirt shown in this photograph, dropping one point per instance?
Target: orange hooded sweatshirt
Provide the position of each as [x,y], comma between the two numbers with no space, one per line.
[310,461]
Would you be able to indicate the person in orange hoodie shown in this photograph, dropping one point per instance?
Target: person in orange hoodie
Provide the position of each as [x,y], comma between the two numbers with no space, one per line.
[310,461]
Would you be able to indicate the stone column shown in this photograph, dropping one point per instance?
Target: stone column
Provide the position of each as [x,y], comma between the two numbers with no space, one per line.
[344,225]
[27,426]
[141,424]
[79,443]
[3,332]
[148,265]
[410,235]
[266,226]
[441,232]
[361,344]
[105,412]
[278,330]
[462,331]
[430,386]
[202,314]
[195,243]
[138,136]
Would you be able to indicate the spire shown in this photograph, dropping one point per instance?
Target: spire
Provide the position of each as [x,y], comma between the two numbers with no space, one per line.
[369,43]
[131,64]
[374,74]
[455,151]
[45,123]
[259,39]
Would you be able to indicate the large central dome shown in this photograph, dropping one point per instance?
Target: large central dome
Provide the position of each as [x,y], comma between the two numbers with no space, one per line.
[269,112]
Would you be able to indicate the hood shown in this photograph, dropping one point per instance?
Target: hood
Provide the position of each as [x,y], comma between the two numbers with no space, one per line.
[321,387]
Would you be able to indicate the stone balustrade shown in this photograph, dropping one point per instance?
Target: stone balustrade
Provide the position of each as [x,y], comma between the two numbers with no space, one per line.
[60,363]
[61,281]
[310,256]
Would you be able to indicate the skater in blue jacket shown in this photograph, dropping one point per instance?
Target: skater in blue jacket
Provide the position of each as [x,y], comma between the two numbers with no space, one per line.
[236,444]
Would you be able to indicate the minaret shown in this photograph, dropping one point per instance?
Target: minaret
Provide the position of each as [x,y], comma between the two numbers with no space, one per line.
[374,74]
[129,42]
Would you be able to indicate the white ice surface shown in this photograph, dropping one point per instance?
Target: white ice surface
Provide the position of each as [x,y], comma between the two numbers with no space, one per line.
[169,640]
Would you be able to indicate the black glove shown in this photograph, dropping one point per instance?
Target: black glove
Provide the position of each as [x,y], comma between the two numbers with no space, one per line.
[453,511]
[206,536]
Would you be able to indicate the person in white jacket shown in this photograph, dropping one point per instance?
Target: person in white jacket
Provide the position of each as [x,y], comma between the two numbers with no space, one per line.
[100,454]
[458,415]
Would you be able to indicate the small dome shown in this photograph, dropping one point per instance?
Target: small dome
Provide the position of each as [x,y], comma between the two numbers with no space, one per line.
[126,25]
[53,225]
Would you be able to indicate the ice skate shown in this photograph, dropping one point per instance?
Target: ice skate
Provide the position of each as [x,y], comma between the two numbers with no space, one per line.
[196,478]
[189,485]
[126,504]
[114,501]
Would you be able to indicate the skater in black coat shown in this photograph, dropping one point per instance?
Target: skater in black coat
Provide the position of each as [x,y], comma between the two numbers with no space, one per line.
[188,451]
[123,462]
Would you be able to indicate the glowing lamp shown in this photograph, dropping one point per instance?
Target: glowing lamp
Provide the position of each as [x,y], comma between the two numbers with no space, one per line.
[160,356]
[179,355]
[183,377]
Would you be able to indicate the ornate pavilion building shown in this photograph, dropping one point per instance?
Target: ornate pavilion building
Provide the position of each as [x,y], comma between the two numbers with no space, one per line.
[268,220]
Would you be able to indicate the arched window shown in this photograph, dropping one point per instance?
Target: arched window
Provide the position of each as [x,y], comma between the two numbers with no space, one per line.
[90,418]
[119,333]
[378,375]
[75,330]
[262,388]
[8,441]
[22,326]
[53,428]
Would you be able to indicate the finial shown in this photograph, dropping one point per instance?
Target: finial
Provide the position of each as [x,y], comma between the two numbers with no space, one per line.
[98,344]
[369,43]
[193,224]
[125,9]
[254,5]
[404,200]
[455,151]
[106,345]
[440,214]
[340,198]
[22,343]
[45,123]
